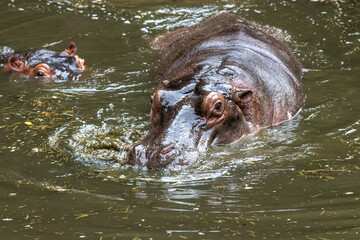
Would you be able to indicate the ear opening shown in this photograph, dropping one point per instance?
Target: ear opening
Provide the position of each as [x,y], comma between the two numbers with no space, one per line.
[15,64]
[243,99]
[245,96]
[71,49]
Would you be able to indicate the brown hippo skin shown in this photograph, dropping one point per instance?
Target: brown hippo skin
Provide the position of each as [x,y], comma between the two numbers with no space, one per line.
[45,63]
[217,81]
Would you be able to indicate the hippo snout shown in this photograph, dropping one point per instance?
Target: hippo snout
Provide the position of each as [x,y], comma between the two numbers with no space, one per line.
[161,156]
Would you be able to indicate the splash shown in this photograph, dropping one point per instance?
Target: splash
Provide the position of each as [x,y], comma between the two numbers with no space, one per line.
[94,144]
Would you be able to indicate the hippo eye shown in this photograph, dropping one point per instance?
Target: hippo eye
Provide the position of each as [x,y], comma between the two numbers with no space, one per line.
[218,107]
[214,108]
[40,74]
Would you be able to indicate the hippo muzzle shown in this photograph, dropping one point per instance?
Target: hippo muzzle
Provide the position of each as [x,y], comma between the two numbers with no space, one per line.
[176,142]
[184,125]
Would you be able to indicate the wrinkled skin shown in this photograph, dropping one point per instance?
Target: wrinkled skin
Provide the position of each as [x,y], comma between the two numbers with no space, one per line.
[218,81]
[45,63]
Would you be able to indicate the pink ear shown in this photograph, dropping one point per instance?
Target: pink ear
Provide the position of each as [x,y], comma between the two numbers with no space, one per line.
[15,64]
[71,49]
[245,96]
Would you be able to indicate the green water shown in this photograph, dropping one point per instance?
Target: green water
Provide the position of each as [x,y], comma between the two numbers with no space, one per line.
[61,176]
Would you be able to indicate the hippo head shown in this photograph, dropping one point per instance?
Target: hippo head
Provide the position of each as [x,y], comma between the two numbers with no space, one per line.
[218,80]
[47,64]
[188,116]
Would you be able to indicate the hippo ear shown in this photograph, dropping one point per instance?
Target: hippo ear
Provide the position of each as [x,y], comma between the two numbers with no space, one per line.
[71,49]
[243,96]
[15,64]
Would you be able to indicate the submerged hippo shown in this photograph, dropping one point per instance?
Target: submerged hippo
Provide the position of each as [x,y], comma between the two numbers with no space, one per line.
[217,81]
[45,63]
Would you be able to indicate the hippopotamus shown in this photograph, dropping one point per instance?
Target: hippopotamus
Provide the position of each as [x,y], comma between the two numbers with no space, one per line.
[218,80]
[45,63]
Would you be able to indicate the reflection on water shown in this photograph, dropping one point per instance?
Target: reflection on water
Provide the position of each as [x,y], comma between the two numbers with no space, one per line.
[297,180]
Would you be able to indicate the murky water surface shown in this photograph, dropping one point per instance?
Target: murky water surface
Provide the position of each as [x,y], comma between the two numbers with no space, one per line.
[62,143]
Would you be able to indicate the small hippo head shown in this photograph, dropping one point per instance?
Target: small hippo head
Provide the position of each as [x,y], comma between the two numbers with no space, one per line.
[187,118]
[47,64]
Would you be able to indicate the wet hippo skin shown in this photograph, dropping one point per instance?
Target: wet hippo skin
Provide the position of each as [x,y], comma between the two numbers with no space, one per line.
[218,80]
[45,63]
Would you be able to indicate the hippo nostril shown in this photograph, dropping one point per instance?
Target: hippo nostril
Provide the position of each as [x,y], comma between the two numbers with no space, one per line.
[167,150]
